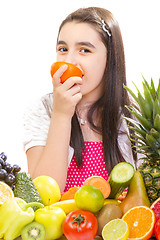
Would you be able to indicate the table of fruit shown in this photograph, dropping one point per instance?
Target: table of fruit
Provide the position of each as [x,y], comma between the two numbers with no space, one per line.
[110,210]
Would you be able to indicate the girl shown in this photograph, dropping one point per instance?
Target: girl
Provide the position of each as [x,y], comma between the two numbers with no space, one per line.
[78,130]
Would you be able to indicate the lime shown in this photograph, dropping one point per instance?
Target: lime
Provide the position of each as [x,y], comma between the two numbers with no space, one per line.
[89,198]
[48,189]
[116,229]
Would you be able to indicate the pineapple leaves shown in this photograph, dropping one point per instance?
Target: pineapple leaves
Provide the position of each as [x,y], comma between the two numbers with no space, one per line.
[145,107]
[156,108]
[152,89]
[147,124]
[158,91]
[155,133]
[146,127]
[131,92]
[157,122]
[151,141]
[138,126]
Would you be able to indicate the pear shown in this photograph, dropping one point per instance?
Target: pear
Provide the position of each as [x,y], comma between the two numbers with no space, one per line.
[136,195]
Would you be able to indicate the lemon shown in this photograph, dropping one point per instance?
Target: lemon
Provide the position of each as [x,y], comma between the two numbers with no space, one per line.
[48,189]
[116,229]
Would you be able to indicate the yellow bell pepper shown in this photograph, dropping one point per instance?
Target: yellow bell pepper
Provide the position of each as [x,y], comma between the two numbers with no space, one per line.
[15,213]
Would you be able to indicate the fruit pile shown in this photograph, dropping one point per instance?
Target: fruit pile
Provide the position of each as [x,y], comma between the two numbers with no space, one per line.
[92,211]
[7,171]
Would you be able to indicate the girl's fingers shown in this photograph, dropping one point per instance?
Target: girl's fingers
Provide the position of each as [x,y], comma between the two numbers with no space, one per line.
[77,97]
[71,82]
[74,90]
[56,77]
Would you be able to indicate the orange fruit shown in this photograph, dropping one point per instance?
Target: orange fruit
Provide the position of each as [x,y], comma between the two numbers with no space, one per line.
[69,194]
[5,192]
[156,208]
[100,183]
[72,70]
[140,220]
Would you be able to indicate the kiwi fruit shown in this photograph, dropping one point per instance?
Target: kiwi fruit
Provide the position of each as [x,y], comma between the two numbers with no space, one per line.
[33,230]
[107,213]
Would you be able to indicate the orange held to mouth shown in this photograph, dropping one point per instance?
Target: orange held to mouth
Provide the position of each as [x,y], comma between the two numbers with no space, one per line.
[72,71]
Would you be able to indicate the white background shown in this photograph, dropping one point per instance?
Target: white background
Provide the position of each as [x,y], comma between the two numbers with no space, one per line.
[28,31]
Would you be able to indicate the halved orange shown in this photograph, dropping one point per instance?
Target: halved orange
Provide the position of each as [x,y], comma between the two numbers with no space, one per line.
[5,192]
[140,220]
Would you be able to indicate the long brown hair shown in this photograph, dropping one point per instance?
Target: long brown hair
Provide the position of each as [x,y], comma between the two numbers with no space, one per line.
[111,105]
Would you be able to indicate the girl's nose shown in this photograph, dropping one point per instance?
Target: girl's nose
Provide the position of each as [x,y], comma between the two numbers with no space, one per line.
[71,58]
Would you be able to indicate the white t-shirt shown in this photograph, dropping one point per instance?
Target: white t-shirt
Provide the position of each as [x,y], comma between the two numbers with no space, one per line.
[36,126]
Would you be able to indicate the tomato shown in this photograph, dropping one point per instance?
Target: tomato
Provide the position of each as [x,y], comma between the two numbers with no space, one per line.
[72,71]
[52,218]
[157,230]
[80,225]
[89,198]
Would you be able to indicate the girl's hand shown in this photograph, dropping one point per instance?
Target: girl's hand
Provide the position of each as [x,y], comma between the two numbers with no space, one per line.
[66,95]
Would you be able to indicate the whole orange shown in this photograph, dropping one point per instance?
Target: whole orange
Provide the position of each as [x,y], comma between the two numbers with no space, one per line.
[72,70]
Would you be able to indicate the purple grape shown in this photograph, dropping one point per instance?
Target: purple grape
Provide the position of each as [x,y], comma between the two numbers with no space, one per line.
[16,168]
[8,167]
[10,179]
[1,161]
[3,174]
[3,155]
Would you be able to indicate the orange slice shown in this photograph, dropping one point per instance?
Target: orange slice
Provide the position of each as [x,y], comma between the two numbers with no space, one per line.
[5,192]
[140,220]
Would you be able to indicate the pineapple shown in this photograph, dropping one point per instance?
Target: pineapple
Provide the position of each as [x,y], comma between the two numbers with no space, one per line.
[146,137]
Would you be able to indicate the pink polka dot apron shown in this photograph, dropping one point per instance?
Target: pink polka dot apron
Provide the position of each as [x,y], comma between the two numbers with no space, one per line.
[93,165]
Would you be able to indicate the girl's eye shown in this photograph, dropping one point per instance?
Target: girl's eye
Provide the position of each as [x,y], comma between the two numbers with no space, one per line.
[62,49]
[85,50]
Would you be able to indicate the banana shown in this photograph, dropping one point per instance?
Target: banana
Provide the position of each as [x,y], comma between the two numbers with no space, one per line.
[108,200]
[69,205]
[66,205]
